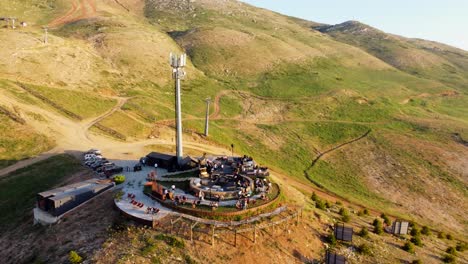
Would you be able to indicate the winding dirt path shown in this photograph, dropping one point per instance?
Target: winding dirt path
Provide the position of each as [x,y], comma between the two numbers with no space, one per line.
[120,102]
[80,9]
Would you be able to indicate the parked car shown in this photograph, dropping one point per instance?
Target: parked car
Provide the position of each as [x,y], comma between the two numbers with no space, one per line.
[113,170]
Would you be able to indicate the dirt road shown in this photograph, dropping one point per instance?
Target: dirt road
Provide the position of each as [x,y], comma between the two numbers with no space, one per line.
[80,9]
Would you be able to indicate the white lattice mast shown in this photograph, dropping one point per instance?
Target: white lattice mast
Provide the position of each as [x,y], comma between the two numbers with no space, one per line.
[178,63]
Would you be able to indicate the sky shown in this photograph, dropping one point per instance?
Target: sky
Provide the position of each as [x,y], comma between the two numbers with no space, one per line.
[444,21]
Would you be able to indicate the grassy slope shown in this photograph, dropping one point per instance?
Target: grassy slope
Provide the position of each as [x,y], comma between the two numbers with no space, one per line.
[311,75]
[18,189]
[422,58]
[19,142]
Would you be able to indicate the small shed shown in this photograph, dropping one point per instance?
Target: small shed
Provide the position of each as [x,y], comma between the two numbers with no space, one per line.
[164,161]
[61,200]
[333,258]
[400,227]
[343,233]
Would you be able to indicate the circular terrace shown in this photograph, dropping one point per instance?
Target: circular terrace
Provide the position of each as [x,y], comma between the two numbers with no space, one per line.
[221,187]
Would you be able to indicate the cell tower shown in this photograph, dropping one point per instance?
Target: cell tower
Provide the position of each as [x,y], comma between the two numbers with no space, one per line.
[178,63]
[207,118]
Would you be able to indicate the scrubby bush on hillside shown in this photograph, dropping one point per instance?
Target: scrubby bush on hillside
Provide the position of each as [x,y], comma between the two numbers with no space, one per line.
[449,237]
[171,241]
[363,212]
[416,261]
[364,249]
[119,179]
[346,218]
[425,230]
[74,258]
[314,197]
[448,259]
[320,204]
[364,232]
[409,247]
[378,229]
[417,240]
[441,235]
[415,231]
[461,246]
[345,215]
[451,250]
[331,239]
[387,220]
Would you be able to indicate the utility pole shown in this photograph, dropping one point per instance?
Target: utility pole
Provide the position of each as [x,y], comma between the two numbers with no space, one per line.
[178,63]
[46,35]
[207,118]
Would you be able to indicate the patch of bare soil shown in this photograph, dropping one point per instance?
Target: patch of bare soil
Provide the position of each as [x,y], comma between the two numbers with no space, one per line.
[82,230]
[80,9]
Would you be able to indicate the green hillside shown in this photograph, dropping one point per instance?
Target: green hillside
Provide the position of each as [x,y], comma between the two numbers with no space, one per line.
[287,92]
[422,58]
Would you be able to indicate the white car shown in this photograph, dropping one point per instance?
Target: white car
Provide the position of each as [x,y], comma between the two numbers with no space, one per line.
[89,156]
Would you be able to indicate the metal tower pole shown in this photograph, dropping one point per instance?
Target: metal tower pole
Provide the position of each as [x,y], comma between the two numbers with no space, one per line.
[207,118]
[178,63]
[46,35]
[178,121]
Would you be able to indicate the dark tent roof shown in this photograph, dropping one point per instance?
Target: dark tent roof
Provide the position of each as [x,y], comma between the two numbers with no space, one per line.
[160,156]
[189,159]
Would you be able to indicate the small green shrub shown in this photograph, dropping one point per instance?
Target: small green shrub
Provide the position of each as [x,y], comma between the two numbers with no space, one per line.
[448,258]
[328,204]
[387,220]
[320,204]
[415,231]
[416,261]
[451,250]
[449,237]
[346,218]
[171,241]
[119,179]
[441,235]
[339,203]
[408,247]
[461,246]
[417,241]
[364,249]
[343,211]
[378,229]
[363,232]
[425,231]
[314,197]
[189,260]
[365,211]
[331,239]
[74,258]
